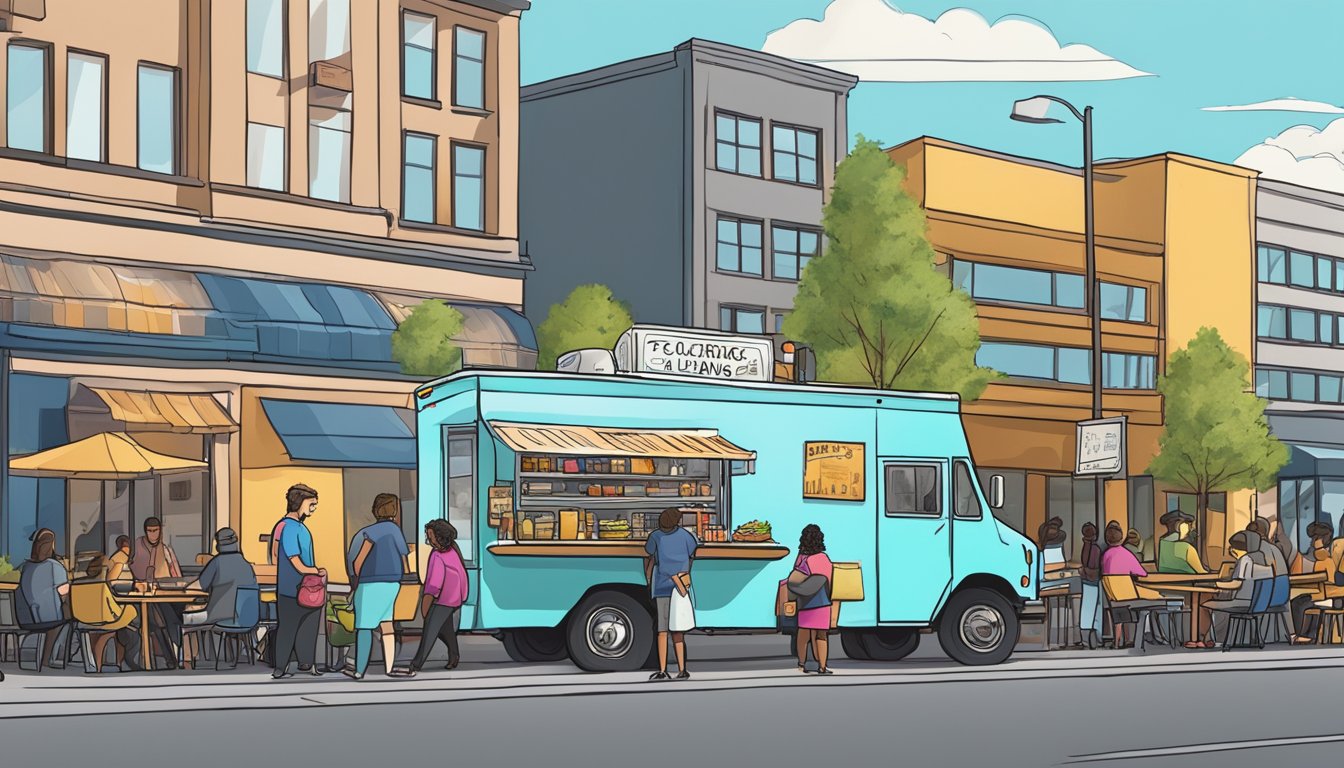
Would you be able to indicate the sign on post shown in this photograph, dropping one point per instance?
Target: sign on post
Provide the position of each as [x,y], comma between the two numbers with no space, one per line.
[833,471]
[1101,447]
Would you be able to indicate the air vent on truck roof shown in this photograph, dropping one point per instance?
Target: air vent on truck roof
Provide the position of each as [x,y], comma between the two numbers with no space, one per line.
[587,361]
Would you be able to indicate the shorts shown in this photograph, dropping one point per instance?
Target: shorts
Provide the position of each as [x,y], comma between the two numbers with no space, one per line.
[374,602]
[664,605]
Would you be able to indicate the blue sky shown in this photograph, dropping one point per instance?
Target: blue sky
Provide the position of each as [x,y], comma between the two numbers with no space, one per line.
[1204,53]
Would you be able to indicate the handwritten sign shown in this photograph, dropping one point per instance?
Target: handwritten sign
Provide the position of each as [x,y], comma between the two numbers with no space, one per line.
[501,501]
[695,354]
[833,471]
[1101,447]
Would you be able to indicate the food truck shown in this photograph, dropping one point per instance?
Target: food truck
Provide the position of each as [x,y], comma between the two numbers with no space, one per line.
[554,480]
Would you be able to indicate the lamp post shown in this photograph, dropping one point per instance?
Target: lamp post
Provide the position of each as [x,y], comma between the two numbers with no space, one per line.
[1033,110]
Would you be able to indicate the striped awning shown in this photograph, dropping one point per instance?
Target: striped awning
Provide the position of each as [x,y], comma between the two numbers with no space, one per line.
[615,441]
[166,411]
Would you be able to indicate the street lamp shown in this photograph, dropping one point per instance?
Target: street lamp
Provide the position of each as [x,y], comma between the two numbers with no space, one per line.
[1035,110]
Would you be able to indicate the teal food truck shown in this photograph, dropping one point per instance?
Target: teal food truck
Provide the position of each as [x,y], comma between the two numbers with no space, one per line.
[553,481]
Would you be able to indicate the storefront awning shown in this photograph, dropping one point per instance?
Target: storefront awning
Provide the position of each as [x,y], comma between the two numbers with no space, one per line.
[1312,461]
[171,411]
[105,456]
[343,434]
[609,441]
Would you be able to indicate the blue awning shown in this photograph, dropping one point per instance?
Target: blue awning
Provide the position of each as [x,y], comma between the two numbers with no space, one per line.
[1313,461]
[341,434]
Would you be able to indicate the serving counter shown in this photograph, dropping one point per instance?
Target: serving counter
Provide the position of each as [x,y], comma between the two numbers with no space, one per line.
[705,551]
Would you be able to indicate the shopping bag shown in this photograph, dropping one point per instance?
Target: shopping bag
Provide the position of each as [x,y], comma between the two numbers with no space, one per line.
[681,612]
[846,581]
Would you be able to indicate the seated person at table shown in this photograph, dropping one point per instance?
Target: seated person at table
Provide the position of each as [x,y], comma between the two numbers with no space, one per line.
[1133,541]
[222,576]
[1273,556]
[119,565]
[93,605]
[43,583]
[1119,559]
[1175,554]
[1052,545]
[1329,554]
[154,559]
[1239,588]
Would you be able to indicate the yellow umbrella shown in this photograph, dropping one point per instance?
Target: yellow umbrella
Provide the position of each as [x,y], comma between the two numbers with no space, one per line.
[105,456]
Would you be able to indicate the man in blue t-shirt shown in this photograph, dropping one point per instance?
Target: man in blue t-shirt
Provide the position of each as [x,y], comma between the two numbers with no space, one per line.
[296,627]
[671,549]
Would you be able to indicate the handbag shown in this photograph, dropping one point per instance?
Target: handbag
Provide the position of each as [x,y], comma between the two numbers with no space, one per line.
[312,591]
[846,582]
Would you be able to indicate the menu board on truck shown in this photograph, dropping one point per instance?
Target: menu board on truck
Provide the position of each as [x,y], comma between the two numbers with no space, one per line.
[833,471]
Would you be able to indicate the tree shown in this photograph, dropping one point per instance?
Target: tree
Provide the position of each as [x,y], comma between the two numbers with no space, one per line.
[1216,437]
[589,318]
[873,306]
[423,344]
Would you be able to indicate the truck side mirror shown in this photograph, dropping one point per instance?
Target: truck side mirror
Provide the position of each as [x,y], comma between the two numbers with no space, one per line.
[996,492]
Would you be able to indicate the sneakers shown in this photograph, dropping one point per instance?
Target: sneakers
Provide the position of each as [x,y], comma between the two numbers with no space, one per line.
[683,675]
[352,674]
[281,674]
[659,676]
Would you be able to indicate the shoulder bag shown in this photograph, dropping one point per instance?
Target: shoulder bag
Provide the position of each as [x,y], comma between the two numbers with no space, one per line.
[312,591]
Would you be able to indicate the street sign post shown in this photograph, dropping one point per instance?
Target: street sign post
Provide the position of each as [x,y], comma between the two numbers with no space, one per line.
[1102,444]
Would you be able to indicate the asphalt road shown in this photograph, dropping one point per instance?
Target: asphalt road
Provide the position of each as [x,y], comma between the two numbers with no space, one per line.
[1065,708]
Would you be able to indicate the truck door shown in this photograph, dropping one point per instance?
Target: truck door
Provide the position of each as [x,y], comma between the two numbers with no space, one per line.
[914,542]
[459,508]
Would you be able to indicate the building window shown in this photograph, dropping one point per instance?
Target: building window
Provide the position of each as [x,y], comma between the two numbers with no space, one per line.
[1299,325]
[1272,385]
[794,154]
[85,107]
[1271,322]
[1301,387]
[266,37]
[468,187]
[1141,500]
[417,178]
[741,319]
[738,246]
[791,249]
[1128,303]
[779,321]
[989,282]
[1299,269]
[328,29]
[468,68]
[28,98]
[157,134]
[1302,325]
[329,154]
[266,156]
[737,144]
[1032,361]
[1272,265]
[1126,371]
[417,55]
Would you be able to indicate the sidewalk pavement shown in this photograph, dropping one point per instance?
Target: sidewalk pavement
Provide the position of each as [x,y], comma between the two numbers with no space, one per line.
[719,665]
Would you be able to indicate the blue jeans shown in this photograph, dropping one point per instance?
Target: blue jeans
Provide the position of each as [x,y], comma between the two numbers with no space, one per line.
[1089,615]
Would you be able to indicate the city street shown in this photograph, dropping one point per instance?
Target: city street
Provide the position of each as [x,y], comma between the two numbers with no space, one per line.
[745,705]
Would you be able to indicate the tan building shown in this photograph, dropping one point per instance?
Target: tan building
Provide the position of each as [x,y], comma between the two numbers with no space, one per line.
[1173,232]
[212,216]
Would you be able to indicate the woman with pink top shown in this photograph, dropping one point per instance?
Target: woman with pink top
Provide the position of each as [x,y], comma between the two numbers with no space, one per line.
[814,623]
[445,592]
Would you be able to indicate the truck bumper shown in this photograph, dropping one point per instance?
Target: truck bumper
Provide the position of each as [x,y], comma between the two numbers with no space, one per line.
[1032,612]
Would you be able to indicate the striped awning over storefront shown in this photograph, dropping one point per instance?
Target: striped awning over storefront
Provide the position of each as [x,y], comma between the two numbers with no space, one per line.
[168,411]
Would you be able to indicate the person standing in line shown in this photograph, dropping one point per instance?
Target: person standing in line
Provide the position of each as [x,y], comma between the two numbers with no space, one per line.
[446,589]
[376,561]
[670,550]
[814,623]
[296,626]
[1089,619]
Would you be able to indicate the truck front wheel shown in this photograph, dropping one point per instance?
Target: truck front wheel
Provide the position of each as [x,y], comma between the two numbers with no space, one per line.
[610,632]
[978,627]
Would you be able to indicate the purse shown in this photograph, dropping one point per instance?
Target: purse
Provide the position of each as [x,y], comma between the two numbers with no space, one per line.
[312,591]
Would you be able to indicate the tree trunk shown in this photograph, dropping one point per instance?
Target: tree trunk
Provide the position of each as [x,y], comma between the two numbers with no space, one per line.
[1201,525]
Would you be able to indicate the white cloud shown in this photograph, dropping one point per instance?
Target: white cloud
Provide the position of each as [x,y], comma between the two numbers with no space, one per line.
[878,42]
[1302,155]
[1286,104]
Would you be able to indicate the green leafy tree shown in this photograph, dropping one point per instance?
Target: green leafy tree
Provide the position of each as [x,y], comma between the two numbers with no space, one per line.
[874,307]
[589,318]
[1216,437]
[423,344]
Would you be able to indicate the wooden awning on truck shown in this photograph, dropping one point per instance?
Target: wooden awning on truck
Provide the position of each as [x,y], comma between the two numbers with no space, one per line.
[614,441]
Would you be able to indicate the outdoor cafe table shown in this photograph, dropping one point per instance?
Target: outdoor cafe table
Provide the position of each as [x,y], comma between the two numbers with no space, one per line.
[1196,585]
[142,600]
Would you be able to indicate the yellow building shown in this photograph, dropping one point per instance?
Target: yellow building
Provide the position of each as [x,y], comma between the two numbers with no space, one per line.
[212,217]
[1175,244]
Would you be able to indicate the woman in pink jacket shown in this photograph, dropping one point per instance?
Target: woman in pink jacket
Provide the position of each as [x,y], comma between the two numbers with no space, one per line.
[445,592]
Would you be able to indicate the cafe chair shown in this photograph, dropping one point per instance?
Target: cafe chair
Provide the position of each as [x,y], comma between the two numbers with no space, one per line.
[1330,628]
[33,650]
[98,617]
[241,631]
[1243,626]
[9,627]
[1125,606]
[1279,610]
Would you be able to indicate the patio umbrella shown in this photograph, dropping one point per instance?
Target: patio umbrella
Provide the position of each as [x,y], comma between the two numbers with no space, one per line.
[104,456]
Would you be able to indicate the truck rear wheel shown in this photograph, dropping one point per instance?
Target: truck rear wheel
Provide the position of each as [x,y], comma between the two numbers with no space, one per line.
[889,643]
[978,627]
[610,632]
[852,641]
[535,644]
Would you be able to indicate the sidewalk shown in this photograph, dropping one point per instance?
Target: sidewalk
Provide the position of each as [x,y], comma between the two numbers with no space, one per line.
[71,693]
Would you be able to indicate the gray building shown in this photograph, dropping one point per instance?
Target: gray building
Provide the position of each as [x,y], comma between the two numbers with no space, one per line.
[689,182]
[1300,349]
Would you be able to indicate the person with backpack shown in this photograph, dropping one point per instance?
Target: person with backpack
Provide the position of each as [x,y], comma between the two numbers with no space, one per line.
[297,621]
[814,612]
[1089,618]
